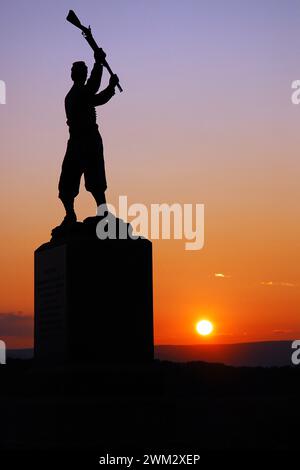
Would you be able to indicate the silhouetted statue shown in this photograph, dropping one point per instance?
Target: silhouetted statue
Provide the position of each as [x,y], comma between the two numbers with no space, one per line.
[84,153]
[83,283]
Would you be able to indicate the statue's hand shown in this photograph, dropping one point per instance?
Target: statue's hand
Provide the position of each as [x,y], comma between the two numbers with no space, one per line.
[114,80]
[100,56]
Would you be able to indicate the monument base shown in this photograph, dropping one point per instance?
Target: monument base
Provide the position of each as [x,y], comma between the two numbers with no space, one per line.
[93,298]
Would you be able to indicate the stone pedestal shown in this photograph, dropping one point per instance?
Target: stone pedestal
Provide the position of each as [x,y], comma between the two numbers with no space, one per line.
[93,299]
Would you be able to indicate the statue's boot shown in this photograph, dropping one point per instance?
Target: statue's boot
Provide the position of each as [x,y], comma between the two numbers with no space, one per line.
[66,227]
[69,220]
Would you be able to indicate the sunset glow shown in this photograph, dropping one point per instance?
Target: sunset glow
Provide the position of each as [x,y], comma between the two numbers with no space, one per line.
[204,327]
[177,134]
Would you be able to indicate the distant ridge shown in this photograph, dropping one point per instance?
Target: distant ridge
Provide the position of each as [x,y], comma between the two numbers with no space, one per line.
[261,354]
[20,353]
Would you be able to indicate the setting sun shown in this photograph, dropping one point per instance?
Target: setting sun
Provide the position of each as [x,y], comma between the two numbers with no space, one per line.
[204,327]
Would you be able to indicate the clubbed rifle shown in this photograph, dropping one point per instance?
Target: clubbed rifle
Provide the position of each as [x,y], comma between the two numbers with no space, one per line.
[87,34]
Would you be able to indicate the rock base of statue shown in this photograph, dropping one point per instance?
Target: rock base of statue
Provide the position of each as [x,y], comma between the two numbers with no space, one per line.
[93,298]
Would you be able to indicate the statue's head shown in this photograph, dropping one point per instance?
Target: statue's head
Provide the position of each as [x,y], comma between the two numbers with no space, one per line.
[79,72]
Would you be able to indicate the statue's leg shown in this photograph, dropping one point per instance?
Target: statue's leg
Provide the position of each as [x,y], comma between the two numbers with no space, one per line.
[94,171]
[99,196]
[69,181]
[69,208]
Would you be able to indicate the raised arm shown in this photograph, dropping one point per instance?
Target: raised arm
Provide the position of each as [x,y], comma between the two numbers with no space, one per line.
[94,81]
[105,95]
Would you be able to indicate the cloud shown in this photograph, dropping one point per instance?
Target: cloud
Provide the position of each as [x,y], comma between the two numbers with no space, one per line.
[277,284]
[15,324]
[221,275]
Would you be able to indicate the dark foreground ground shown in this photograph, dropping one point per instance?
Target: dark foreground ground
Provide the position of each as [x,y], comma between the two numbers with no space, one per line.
[165,406]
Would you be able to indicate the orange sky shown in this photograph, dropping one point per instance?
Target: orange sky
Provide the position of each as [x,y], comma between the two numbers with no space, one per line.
[201,120]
